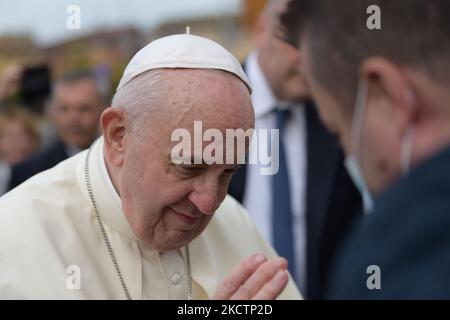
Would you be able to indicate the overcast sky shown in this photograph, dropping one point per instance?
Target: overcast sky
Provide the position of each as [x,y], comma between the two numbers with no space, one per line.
[46,20]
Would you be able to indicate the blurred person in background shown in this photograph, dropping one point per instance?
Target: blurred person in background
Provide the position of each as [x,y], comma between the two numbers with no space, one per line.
[74,109]
[19,139]
[386,93]
[305,209]
[10,84]
[27,85]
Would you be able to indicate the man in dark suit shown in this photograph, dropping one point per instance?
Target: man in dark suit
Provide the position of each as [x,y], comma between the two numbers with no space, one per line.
[74,109]
[397,136]
[306,208]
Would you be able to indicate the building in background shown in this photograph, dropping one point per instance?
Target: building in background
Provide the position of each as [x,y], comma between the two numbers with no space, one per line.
[107,50]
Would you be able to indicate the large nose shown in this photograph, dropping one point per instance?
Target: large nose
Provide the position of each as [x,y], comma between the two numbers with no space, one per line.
[206,194]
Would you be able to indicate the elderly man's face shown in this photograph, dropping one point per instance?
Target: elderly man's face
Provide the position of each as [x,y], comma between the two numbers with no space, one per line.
[168,205]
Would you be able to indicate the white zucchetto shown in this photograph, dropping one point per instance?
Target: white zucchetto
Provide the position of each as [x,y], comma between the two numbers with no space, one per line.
[182,51]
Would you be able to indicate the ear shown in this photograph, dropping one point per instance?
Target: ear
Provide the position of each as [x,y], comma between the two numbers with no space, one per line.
[390,88]
[112,122]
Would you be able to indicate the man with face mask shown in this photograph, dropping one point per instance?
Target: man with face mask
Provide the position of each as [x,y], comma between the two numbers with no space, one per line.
[386,94]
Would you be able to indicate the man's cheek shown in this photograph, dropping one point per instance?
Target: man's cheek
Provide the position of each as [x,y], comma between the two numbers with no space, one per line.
[327,120]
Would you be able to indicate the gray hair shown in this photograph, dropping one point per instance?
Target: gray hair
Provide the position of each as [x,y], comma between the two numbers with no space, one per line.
[143,94]
[139,96]
[73,77]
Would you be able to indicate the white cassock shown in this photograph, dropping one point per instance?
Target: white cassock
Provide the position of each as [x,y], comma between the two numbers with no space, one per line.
[51,246]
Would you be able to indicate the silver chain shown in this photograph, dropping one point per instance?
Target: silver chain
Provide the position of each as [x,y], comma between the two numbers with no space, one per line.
[108,243]
[189,276]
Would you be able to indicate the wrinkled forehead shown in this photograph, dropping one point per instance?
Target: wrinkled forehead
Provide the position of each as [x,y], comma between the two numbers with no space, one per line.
[206,79]
[216,98]
[198,108]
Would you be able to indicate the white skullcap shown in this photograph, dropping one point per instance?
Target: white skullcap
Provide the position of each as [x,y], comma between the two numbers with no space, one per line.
[182,51]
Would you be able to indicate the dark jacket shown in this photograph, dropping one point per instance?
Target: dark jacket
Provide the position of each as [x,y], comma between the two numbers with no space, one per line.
[37,163]
[407,237]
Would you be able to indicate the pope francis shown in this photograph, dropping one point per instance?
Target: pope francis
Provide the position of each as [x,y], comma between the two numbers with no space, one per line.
[122,220]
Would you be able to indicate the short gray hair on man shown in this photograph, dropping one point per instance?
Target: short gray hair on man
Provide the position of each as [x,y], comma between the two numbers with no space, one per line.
[144,94]
[139,96]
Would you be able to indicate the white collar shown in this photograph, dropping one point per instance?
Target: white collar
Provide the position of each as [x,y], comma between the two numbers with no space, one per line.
[107,200]
[105,174]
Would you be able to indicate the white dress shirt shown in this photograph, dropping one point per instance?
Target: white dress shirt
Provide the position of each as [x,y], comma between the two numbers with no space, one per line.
[258,191]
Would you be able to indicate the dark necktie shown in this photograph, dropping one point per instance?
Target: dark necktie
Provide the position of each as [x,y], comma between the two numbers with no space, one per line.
[283,238]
